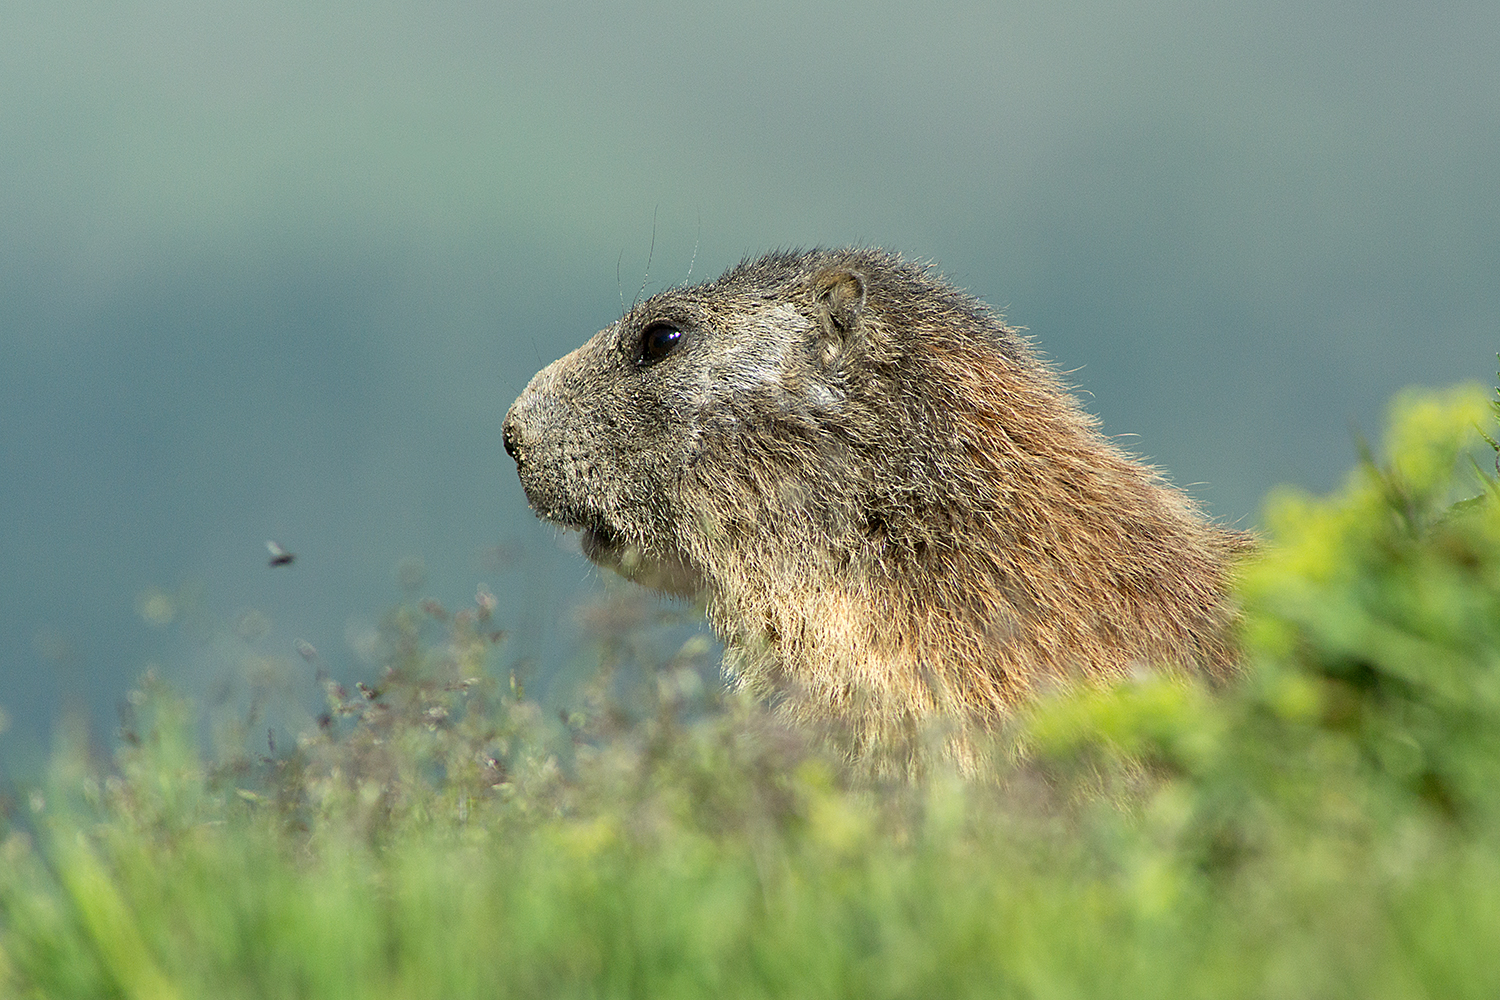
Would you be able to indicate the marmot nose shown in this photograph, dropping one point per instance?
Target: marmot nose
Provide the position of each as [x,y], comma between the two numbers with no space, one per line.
[512,439]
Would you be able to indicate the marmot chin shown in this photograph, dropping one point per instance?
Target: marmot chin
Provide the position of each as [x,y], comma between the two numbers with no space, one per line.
[900,520]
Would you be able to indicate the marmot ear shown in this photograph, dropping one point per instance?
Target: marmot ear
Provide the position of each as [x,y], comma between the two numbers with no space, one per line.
[839,300]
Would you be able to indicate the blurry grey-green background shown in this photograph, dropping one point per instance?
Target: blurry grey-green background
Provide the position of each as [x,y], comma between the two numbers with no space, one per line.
[275,270]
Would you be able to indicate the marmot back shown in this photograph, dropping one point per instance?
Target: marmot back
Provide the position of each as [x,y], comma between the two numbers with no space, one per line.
[898,517]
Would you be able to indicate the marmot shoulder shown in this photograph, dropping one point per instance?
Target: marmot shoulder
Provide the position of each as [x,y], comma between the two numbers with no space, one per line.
[899,518]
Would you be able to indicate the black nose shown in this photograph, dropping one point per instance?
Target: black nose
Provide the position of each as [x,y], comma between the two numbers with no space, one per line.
[509,436]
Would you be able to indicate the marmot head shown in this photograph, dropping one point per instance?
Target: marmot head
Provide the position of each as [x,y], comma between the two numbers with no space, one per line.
[787,397]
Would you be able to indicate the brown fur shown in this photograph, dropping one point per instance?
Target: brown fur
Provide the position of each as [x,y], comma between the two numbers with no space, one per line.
[898,516]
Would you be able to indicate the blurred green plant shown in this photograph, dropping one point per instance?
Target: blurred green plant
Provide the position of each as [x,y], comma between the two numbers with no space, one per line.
[1329,825]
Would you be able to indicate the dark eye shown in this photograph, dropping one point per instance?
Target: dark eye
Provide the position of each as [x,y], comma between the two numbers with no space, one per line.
[657,341]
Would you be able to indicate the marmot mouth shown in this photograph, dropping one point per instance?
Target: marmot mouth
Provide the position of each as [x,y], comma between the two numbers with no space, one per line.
[671,574]
[599,540]
[607,546]
[565,515]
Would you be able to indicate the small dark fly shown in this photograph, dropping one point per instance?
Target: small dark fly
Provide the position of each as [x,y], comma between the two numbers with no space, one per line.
[279,555]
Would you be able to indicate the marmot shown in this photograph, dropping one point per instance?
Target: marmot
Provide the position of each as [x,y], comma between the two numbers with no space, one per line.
[899,518]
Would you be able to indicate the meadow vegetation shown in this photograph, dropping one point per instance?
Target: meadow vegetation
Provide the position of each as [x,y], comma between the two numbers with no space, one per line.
[1328,825]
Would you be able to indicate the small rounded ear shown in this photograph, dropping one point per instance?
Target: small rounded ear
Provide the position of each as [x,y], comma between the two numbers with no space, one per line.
[839,299]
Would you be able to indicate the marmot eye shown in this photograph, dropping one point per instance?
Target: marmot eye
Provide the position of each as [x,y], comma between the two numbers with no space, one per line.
[657,341]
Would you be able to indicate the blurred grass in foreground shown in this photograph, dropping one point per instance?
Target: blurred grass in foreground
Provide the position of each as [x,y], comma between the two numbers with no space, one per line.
[1329,826]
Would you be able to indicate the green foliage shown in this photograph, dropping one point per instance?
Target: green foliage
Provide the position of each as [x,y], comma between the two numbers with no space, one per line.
[1329,825]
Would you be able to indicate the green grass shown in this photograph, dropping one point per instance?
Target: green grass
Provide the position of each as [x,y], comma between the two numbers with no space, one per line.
[1328,826]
